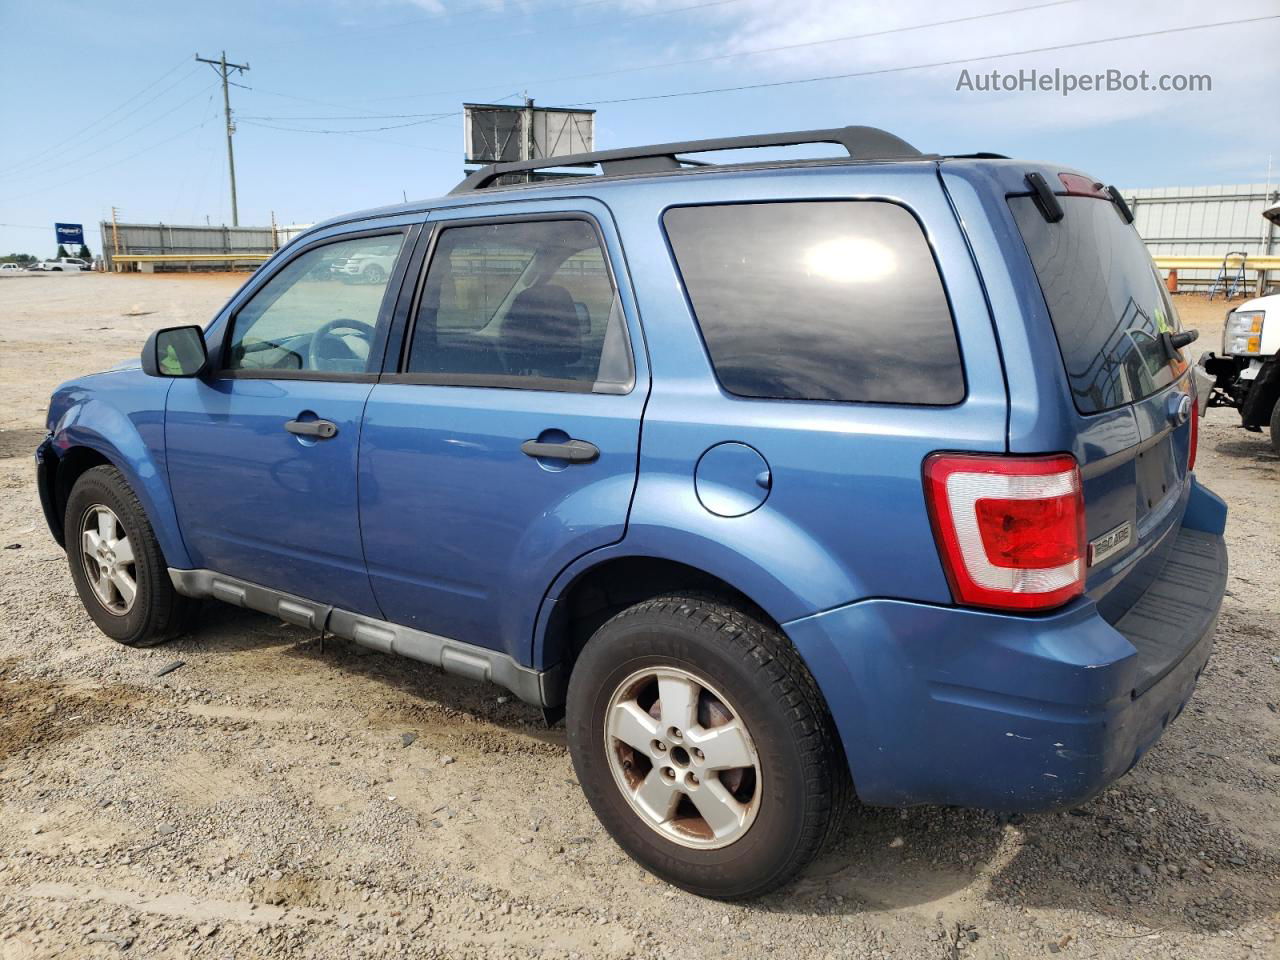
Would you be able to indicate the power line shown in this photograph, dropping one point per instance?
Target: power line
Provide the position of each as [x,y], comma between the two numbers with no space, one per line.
[359,116]
[490,12]
[80,158]
[79,135]
[805,44]
[395,126]
[357,135]
[924,66]
[490,39]
[108,166]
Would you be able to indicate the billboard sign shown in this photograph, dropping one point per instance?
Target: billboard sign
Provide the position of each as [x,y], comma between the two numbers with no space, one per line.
[70,232]
[498,133]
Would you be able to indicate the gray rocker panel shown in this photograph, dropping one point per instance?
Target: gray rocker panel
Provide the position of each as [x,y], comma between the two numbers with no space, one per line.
[464,659]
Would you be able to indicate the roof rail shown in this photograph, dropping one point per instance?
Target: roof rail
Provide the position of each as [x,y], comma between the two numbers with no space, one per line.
[863,143]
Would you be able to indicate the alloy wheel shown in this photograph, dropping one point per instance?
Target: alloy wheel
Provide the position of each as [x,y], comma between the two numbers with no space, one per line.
[682,757]
[108,559]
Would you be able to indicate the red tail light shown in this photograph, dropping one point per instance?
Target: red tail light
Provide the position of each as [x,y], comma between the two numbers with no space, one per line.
[1195,433]
[1010,530]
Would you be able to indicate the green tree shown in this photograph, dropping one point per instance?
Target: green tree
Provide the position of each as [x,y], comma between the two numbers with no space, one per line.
[62,252]
[84,254]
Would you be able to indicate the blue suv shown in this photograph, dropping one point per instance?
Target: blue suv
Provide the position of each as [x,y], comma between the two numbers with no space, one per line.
[784,482]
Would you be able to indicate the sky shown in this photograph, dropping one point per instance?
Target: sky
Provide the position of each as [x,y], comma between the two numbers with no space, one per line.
[349,104]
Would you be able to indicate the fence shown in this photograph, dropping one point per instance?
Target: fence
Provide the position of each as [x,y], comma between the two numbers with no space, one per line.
[173,246]
[1206,222]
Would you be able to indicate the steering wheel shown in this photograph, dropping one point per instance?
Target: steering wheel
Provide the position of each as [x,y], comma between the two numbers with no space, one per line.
[315,359]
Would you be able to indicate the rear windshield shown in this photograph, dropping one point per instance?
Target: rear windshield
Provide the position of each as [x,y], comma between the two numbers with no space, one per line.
[819,300]
[1105,299]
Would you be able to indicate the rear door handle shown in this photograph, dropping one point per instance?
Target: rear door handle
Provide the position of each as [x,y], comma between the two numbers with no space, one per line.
[324,429]
[575,451]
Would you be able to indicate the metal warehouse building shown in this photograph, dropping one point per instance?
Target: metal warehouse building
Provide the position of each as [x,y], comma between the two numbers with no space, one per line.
[167,246]
[1206,221]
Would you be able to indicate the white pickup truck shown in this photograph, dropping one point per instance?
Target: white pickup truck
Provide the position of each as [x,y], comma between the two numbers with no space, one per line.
[68,264]
[1247,372]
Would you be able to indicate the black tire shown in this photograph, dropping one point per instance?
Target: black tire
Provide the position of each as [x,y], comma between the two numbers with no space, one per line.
[157,611]
[373,274]
[1275,427]
[803,780]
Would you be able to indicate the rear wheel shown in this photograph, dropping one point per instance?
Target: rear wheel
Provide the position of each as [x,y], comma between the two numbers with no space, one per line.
[704,747]
[116,563]
[1275,427]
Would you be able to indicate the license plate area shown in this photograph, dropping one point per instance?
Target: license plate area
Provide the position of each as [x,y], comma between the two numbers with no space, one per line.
[1156,476]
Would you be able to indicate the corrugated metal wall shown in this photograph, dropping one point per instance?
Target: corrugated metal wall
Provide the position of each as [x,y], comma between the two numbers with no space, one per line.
[175,238]
[1205,221]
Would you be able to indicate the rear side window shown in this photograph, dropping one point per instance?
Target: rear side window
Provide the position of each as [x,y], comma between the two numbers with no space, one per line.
[829,300]
[1105,299]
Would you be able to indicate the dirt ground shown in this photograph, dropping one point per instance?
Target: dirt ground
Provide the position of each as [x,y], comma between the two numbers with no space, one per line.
[271,798]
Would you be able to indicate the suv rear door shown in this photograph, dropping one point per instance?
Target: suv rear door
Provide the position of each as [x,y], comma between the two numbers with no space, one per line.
[501,442]
[1088,371]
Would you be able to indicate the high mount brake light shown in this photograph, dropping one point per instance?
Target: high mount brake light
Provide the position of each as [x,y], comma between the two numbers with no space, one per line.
[1078,186]
[1010,530]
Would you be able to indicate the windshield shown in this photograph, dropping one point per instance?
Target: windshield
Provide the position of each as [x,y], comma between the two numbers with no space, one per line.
[1105,299]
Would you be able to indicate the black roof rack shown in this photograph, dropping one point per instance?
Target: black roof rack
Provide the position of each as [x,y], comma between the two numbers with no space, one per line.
[863,143]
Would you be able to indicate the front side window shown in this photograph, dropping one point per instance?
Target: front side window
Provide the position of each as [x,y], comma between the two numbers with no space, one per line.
[832,300]
[318,314]
[524,304]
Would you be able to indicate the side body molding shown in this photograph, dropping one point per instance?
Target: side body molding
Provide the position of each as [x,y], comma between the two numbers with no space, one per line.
[536,687]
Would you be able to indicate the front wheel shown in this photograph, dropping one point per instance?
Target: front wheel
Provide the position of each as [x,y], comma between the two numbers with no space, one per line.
[116,562]
[704,746]
[1275,427]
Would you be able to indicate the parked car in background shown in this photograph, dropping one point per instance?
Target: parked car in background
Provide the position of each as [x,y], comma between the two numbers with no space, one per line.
[782,482]
[370,265]
[60,265]
[10,267]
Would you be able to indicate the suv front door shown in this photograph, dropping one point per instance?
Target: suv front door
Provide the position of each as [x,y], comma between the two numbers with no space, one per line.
[262,451]
[504,445]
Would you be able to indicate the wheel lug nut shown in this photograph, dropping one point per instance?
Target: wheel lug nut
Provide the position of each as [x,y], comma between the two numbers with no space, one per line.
[674,733]
[698,754]
[691,779]
[658,746]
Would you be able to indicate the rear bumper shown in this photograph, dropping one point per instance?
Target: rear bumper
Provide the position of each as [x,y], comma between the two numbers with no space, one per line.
[971,708]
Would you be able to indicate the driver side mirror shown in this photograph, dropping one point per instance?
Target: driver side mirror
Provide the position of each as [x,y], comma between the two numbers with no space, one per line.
[175,352]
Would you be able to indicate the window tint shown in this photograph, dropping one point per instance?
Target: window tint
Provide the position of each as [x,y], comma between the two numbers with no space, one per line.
[1105,299]
[318,313]
[835,300]
[521,304]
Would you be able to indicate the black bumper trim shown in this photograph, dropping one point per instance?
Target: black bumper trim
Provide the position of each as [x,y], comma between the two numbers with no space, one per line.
[1168,621]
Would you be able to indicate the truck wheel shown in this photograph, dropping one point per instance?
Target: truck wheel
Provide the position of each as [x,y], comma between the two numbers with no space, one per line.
[704,747]
[116,563]
[1275,426]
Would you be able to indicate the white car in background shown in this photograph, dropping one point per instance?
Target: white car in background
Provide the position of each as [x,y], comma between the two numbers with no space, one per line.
[10,268]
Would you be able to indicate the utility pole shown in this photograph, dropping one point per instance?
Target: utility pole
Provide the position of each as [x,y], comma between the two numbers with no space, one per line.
[222,67]
[115,237]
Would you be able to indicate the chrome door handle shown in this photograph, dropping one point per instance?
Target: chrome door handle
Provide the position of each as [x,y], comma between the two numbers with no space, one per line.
[324,429]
